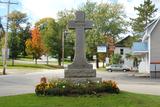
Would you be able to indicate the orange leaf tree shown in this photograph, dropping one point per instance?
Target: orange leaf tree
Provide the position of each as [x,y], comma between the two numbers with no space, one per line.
[34,45]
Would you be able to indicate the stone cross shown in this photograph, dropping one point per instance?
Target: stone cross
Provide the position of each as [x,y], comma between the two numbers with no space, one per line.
[80,24]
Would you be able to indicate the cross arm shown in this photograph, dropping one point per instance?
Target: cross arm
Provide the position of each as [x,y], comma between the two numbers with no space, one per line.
[8,2]
[71,24]
[88,24]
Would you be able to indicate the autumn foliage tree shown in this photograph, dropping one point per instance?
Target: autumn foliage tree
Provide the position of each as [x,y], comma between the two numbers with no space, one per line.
[34,45]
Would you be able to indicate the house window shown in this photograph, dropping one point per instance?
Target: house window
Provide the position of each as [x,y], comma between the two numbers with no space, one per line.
[121,51]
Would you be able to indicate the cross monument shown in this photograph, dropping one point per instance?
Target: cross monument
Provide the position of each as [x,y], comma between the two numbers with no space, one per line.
[80,25]
[80,68]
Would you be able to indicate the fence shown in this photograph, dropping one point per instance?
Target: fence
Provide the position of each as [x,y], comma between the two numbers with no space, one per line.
[155,69]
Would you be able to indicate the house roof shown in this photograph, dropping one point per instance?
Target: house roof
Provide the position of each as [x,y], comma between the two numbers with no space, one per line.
[124,42]
[150,28]
[140,47]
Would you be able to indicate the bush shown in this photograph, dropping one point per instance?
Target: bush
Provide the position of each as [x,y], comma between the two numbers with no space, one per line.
[62,87]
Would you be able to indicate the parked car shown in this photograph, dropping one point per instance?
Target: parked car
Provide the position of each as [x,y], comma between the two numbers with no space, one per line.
[117,67]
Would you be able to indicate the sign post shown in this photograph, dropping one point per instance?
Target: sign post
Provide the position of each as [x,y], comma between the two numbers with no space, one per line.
[100,49]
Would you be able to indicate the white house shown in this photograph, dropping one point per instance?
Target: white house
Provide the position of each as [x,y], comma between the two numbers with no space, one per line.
[123,49]
[140,49]
[149,49]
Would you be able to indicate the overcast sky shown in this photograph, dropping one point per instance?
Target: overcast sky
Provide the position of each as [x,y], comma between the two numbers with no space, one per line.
[37,9]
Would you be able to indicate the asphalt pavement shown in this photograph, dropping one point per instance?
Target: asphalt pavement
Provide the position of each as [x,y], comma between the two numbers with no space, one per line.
[21,82]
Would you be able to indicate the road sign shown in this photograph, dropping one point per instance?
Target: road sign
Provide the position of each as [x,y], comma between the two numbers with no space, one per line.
[102,49]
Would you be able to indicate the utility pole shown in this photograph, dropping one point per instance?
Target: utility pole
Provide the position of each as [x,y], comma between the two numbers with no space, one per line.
[6,37]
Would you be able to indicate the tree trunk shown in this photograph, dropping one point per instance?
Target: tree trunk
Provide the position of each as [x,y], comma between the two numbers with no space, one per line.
[59,61]
[24,51]
[103,64]
[12,61]
[72,57]
[47,60]
[97,61]
[4,71]
[35,60]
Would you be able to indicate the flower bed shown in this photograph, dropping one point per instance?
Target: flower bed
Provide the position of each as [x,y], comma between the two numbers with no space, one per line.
[61,87]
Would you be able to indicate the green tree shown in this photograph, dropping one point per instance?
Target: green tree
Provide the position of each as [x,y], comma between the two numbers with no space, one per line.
[135,59]
[51,36]
[16,19]
[24,34]
[108,19]
[115,59]
[102,57]
[145,12]
[63,18]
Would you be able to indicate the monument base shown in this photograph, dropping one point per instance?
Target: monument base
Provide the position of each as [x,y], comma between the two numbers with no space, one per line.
[82,80]
[78,73]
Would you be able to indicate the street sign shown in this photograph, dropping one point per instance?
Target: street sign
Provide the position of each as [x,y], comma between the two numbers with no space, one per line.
[102,49]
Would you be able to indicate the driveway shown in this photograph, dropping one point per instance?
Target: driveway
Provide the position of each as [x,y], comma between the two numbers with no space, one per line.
[19,83]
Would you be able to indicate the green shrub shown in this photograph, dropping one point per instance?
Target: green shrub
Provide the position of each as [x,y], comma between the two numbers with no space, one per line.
[62,87]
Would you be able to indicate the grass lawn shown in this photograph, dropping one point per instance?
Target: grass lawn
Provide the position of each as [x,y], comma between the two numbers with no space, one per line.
[124,99]
[38,66]
[101,69]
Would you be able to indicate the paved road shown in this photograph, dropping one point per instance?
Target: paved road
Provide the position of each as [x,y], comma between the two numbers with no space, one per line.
[19,83]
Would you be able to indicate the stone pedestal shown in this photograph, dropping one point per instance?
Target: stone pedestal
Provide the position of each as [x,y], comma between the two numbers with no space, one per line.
[79,73]
[82,80]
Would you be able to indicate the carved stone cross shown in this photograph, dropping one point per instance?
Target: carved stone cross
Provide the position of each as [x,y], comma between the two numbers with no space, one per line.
[80,24]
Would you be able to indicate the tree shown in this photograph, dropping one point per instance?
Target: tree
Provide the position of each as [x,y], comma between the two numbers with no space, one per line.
[102,57]
[116,59]
[14,45]
[2,32]
[16,20]
[135,58]
[108,19]
[51,37]
[24,34]
[35,45]
[63,18]
[145,14]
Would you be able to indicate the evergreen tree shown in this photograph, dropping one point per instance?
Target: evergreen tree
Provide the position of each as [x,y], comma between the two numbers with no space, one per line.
[145,16]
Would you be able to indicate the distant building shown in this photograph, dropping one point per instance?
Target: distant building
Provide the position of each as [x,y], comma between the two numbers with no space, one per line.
[140,50]
[123,48]
[149,50]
